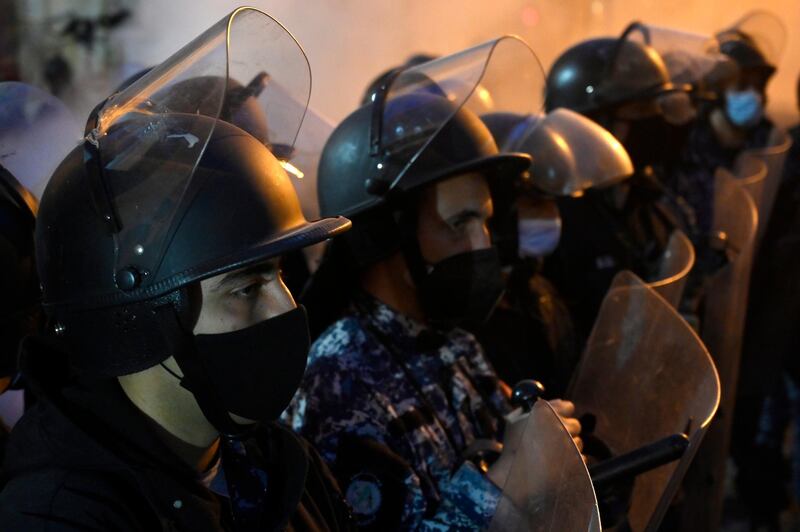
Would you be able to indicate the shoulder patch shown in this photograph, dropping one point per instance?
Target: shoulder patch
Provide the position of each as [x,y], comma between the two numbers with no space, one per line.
[364,496]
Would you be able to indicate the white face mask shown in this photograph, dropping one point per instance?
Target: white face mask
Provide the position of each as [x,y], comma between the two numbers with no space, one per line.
[538,237]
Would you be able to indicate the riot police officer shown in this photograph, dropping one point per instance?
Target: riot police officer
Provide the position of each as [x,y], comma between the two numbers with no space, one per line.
[624,86]
[731,116]
[397,396]
[172,343]
[531,333]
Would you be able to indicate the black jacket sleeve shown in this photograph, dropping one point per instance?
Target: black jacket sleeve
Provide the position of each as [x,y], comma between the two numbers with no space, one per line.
[59,500]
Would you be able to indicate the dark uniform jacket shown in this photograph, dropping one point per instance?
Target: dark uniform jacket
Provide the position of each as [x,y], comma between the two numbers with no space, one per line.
[530,335]
[84,458]
[394,406]
[599,240]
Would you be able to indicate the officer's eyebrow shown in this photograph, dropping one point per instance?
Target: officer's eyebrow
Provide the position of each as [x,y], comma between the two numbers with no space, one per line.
[468,213]
[264,268]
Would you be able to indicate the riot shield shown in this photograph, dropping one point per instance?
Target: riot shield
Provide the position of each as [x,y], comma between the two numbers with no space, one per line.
[750,173]
[774,157]
[735,222]
[676,263]
[36,132]
[548,486]
[645,375]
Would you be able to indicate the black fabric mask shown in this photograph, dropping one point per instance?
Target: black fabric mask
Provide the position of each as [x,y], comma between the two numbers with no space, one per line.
[463,290]
[256,371]
[652,141]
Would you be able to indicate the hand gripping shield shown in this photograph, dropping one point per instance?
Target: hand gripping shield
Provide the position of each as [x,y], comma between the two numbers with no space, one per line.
[645,375]
[547,486]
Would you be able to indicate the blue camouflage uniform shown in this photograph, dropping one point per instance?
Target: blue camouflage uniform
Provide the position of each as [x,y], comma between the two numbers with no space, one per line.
[393,405]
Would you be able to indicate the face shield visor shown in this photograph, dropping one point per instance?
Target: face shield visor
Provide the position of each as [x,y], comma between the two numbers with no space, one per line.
[570,153]
[144,144]
[692,59]
[642,81]
[758,39]
[425,120]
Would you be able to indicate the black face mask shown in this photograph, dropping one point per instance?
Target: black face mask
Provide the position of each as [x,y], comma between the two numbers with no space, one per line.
[463,290]
[256,371]
[653,141]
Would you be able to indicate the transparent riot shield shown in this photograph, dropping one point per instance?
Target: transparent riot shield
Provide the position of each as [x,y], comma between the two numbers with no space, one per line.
[735,222]
[36,132]
[547,486]
[676,263]
[774,157]
[570,153]
[645,375]
[750,173]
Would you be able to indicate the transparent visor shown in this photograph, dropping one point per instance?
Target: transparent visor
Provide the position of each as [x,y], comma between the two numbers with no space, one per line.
[246,70]
[765,30]
[675,389]
[638,78]
[548,486]
[37,131]
[502,75]
[570,152]
[691,58]
[303,162]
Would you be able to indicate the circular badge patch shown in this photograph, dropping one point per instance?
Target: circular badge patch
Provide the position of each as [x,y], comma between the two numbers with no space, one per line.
[364,496]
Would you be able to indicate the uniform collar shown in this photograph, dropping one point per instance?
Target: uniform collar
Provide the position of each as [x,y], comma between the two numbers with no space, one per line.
[404,331]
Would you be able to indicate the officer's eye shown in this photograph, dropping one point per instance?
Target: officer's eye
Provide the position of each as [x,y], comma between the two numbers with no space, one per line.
[246,292]
[460,221]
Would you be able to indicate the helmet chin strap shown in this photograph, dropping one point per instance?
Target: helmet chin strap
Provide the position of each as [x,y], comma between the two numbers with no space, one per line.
[195,376]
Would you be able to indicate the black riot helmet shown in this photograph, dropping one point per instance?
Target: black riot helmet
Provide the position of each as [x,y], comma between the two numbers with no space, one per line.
[423,125]
[156,200]
[596,76]
[569,152]
[36,131]
[692,59]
